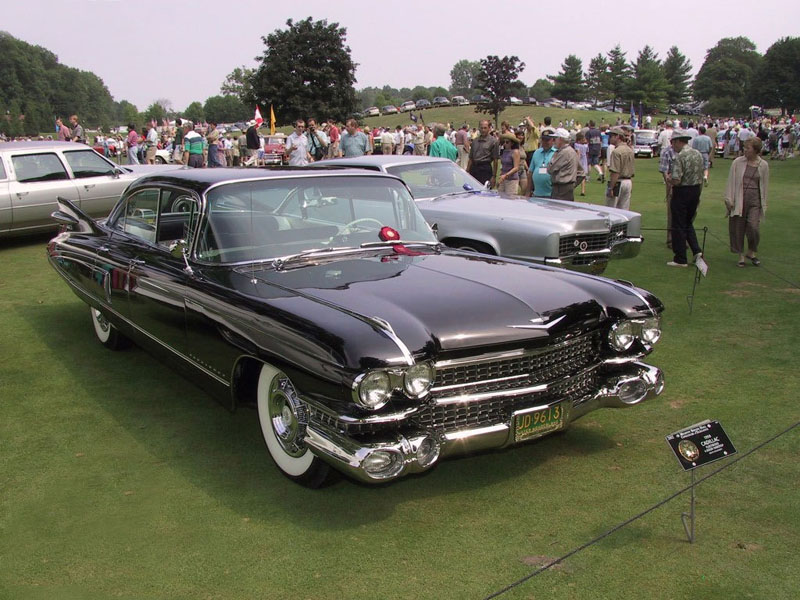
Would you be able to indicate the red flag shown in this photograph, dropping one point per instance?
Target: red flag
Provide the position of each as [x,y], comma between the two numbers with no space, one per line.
[258,118]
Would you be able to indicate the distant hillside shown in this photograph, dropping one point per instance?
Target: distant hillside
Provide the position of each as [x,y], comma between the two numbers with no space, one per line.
[35,88]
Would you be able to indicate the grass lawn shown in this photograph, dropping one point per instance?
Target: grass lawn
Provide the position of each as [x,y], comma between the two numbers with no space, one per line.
[121,479]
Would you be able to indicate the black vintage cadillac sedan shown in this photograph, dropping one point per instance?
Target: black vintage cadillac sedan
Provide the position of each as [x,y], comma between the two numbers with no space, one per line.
[324,300]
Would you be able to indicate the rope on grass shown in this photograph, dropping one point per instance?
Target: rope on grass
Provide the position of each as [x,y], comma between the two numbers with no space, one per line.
[636,517]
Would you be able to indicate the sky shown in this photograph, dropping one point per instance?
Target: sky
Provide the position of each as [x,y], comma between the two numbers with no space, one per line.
[182,50]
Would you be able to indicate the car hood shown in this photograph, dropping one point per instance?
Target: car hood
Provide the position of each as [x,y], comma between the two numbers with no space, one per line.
[559,215]
[447,301]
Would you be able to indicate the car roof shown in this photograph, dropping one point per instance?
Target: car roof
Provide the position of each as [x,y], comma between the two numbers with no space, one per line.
[383,160]
[43,145]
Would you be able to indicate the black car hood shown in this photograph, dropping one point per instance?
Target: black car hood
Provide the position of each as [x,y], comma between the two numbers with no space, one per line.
[452,300]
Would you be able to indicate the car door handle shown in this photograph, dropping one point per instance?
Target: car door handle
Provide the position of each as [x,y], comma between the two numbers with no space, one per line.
[21,194]
[137,261]
[103,249]
[88,186]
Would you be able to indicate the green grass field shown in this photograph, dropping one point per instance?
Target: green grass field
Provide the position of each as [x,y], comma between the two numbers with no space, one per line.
[121,479]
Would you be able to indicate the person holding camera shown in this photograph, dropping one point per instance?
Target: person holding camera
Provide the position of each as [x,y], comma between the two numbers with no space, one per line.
[317,141]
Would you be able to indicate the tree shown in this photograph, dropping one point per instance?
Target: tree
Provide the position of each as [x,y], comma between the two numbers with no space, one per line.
[194,112]
[568,84]
[618,75]
[496,76]
[238,83]
[464,77]
[648,86]
[306,70]
[677,72]
[127,114]
[725,79]
[597,78]
[224,109]
[777,80]
[155,112]
[541,89]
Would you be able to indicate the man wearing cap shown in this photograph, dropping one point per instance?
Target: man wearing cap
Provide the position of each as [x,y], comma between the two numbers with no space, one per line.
[687,183]
[253,143]
[563,168]
[483,155]
[441,146]
[621,170]
[539,184]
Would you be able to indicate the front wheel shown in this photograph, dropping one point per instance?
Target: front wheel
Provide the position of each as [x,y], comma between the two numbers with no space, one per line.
[160,160]
[284,417]
[106,333]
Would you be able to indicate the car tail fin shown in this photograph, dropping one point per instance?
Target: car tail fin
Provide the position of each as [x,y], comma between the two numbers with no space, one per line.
[73,218]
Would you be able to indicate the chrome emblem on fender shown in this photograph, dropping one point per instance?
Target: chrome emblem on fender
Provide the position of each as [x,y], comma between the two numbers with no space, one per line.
[538,323]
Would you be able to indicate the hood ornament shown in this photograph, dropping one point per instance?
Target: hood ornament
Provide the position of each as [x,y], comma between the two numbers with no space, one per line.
[538,323]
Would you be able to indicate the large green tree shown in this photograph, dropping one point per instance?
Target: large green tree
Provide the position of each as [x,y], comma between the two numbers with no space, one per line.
[569,84]
[541,89]
[194,112]
[647,86]
[678,73]
[224,109]
[495,79]
[777,80]
[597,78]
[464,77]
[618,75]
[725,79]
[238,83]
[306,70]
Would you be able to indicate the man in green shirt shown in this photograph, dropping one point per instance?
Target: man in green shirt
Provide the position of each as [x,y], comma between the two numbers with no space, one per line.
[441,146]
[687,183]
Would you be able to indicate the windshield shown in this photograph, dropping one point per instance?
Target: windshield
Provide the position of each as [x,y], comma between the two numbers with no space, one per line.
[430,179]
[645,138]
[266,219]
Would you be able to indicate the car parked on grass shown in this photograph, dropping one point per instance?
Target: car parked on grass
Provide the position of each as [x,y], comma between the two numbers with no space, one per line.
[390,109]
[407,106]
[514,100]
[555,232]
[441,101]
[275,149]
[323,300]
[459,101]
[372,111]
[32,174]
[423,103]
[478,98]
[529,100]
[645,143]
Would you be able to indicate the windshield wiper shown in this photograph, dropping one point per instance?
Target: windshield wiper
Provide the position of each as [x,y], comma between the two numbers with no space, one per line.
[399,242]
[469,191]
[282,261]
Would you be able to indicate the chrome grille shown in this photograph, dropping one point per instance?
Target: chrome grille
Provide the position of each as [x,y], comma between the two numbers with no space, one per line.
[571,244]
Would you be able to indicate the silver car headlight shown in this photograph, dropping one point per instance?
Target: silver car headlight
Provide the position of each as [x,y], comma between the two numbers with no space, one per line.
[621,336]
[651,330]
[374,390]
[417,379]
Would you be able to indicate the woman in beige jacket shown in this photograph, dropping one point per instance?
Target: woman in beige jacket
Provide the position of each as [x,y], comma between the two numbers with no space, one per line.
[746,200]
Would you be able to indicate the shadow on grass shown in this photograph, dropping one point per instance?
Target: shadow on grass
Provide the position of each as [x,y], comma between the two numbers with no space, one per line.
[223,454]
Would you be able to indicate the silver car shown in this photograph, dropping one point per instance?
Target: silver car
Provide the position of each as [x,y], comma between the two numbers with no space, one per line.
[465,215]
[34,174]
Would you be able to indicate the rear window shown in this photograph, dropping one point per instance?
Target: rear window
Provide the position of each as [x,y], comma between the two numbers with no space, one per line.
[30,168]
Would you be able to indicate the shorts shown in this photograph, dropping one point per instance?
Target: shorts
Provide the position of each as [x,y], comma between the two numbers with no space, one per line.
[594,157]
[705,160]
[604,153]
[150,153]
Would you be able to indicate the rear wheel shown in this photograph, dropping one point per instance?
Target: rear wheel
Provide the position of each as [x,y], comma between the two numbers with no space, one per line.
[160,160]
[284,418]
[106,333]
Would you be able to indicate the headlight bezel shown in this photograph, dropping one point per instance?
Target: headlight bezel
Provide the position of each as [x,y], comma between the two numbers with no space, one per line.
[615,335]
[395,379]
[645,331]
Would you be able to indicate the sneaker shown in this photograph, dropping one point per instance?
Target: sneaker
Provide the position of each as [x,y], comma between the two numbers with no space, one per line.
[672,263]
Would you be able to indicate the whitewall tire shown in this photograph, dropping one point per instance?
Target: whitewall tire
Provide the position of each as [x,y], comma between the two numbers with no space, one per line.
[106,333]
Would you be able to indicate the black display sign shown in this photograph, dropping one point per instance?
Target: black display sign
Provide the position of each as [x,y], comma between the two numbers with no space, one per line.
[700,444]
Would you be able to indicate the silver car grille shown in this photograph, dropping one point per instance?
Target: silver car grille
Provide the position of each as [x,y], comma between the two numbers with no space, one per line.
[591,242]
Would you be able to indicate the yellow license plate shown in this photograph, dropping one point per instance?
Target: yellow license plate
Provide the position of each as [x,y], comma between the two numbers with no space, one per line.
[538,422]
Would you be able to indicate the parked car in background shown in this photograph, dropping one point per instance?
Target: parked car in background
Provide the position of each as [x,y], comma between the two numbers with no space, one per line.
[477,99]
[275,149]
[575,235]
[390,109]
[423,103]
[407,106]
[441,101]
[33,174]
[323,301]
[645,143]
[459,101]
[372,111]
[529,100]
[100,148]
[514,100]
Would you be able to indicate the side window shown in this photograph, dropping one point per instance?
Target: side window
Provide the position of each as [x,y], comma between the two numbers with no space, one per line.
[87,163]
[38,167]
[177,218]
[2,170]
[138,216]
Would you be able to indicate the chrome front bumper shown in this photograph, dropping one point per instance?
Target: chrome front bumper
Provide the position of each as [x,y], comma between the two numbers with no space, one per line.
[595,261]
[417,451]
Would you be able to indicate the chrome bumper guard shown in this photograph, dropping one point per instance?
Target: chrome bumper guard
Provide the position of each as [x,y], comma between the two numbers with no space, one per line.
[402,454]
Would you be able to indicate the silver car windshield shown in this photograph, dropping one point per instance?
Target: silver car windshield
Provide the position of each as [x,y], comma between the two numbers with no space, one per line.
[265,219]
[430,179]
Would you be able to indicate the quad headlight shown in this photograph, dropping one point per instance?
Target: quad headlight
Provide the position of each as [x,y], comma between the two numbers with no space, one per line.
[373,389]
[623,334]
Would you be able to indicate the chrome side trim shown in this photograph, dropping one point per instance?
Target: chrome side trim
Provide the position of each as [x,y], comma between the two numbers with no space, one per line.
[468,433]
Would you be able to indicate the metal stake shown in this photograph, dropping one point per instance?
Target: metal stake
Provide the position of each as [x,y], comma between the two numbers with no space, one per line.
[697,273]
[689,529]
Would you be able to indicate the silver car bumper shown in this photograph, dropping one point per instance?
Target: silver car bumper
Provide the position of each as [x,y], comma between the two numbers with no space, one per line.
[413,452]
[596,261]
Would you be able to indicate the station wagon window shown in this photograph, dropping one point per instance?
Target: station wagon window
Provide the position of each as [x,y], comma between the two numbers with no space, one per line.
[158,216]
[87,163]
[2,170]
[30,168]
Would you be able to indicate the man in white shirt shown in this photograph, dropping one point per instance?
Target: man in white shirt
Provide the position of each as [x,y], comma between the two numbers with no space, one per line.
[297,145]
[665,136]
[399,140]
